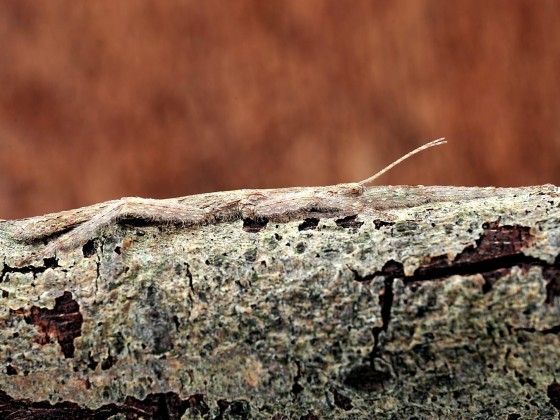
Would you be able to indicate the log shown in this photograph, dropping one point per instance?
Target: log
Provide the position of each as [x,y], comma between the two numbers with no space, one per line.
[445,306]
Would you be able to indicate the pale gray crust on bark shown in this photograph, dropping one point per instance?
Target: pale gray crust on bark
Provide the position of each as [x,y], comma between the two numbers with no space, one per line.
[426,301]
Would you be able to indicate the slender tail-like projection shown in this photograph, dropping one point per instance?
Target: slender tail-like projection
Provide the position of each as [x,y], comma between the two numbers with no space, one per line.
[433,143]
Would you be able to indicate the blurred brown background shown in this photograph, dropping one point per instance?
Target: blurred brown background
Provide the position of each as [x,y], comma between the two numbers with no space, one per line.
[100,100]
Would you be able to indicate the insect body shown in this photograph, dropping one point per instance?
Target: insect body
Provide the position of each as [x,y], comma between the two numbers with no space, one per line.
[279,205]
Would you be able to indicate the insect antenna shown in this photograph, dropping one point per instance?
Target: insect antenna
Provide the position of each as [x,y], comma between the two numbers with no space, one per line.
[395,163]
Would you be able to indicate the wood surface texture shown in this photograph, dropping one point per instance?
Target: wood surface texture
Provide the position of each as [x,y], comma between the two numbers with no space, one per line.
[443,303]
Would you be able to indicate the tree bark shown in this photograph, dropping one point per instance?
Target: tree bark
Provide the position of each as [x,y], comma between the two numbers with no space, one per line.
[442,308]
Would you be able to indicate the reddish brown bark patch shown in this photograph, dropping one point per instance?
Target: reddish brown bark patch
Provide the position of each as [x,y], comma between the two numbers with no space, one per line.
[154,406]
[254,225]
[341,401]
[63,323]
[309,224]
[198,405]
[553,393]
[108,362]
[233,409]
[10,370]
[367,378]
[496,242]
[381,223]
[349,222]
[552,275]
[495,252]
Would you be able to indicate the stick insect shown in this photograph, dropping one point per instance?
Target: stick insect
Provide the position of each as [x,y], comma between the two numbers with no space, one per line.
[276,205]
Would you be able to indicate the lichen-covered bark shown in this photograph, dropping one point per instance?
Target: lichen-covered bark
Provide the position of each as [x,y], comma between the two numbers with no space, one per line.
[442,309]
